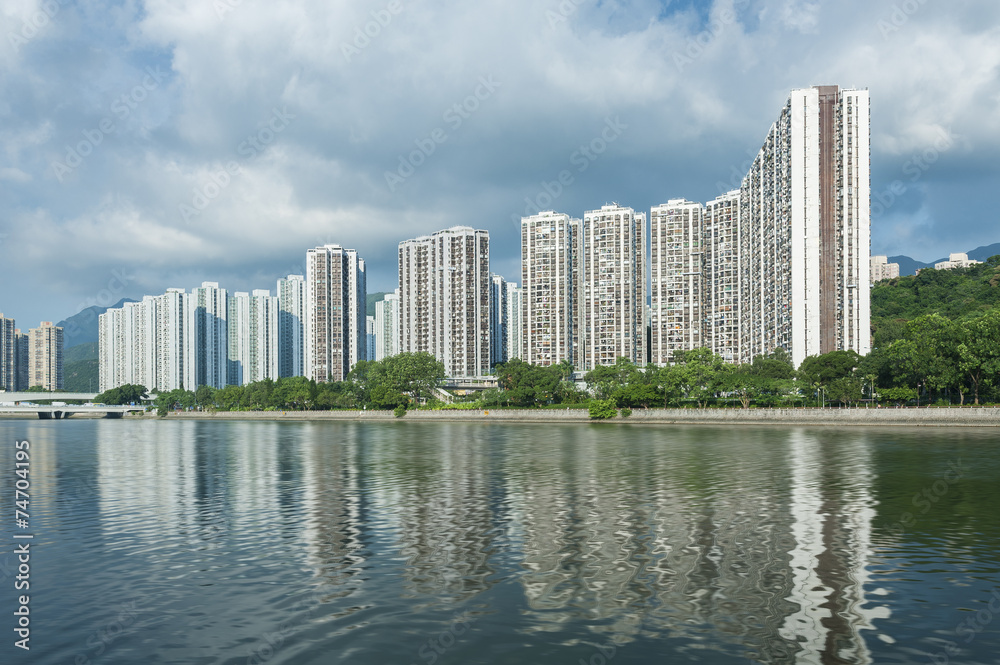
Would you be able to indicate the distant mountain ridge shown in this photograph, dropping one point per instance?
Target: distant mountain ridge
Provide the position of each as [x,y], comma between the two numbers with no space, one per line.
[81,328]
[909,266]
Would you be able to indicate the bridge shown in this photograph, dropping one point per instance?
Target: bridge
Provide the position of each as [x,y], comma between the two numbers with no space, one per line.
[13,397]
[62,412]
[471,384]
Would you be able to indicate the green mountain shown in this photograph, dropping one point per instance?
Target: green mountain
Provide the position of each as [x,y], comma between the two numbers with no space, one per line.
[86,351]
[80,376]
[954,294]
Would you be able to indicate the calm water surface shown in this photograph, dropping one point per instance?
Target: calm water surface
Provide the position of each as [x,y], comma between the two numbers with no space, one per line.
[200,542]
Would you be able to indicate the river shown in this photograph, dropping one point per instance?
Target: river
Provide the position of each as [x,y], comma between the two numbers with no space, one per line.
[438,543]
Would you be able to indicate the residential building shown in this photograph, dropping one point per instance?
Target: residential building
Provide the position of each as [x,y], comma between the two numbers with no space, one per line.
[805,229]
[387,326]
[677,248]
[21,354]
[211,336]
[881,269]
[336,295]
[956,261]
[291,325]
[370,338]
[253,337]
[444,299]
[514,327]
[614,291]
[174,334]
[151,343]
[358,287]
[498,320]
[551,284]
[722,287]
[45,356]
[8,351]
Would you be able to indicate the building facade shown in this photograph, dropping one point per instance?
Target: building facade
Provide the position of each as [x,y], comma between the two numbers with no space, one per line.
[882,269]
[514,328]
[8,351]
[21,355]
[387,326]
[370,337]
[174,334]
[336,295]
[444,299]
[253,339]
[291,325]
[614,287]
[677,283]
[499,321]
[805,220]
[551,284]
[955,261]
[45,356]
[721,285]
[211,335]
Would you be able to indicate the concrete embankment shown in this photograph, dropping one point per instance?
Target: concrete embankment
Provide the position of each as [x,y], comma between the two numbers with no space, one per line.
[935,417]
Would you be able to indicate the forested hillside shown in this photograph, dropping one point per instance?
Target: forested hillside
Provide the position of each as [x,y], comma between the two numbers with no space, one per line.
[954,294]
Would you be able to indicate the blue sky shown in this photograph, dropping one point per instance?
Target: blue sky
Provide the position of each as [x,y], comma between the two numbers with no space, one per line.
[224,137]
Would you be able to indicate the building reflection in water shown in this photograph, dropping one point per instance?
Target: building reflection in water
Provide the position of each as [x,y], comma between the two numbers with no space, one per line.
[335,511]
[761,543]
[446,527]
[638,543]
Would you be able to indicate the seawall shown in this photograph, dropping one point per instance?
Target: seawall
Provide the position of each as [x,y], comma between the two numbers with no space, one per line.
[889,417]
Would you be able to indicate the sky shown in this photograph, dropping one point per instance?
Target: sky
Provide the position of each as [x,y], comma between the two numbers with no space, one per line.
[156,144]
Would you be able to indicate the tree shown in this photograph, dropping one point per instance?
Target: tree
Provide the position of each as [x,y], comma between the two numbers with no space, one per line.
[412,374]
[606,379]
[205,396]
[174,399]
[293,393]
[846,390]
[525,384]
[670,381]
[742,382]
[126,394]
[384,397]
[828,367]
[979,351]
[898,395]
[703,373]
[230,398]
[602,409]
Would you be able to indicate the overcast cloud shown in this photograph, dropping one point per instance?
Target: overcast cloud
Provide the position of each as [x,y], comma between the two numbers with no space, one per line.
[172,142]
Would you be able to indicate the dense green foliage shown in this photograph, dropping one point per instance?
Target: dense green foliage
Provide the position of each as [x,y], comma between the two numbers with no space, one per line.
[122,395]
[85,351]
[936,335]
[602,409]
[525,385]
[954,294]
[387,384]
[81,376]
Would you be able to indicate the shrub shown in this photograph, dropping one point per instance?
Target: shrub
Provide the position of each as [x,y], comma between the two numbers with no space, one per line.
[399,411]
[603,409]
[626,413]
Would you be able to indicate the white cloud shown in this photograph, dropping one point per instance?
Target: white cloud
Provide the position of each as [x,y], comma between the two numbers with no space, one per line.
[321,179]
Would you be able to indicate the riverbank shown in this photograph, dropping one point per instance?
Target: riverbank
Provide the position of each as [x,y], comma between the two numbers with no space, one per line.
[923,417]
